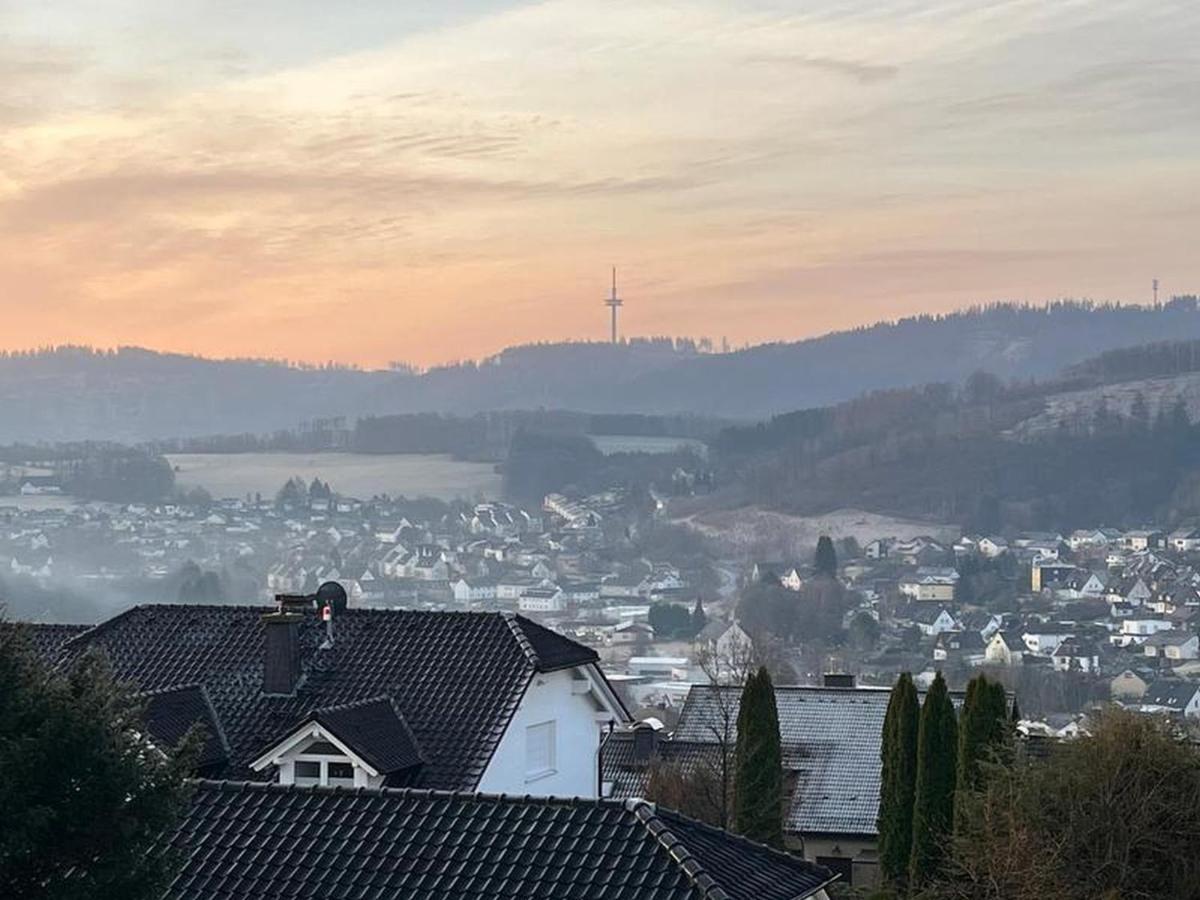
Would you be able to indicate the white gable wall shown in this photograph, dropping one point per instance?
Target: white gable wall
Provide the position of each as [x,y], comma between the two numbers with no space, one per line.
[561,698]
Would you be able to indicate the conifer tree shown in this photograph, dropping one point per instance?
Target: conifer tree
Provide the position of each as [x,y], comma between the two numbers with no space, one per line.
[758,764]
[825,561]
[899,781]
[699,617]
[982,730]
[933,810]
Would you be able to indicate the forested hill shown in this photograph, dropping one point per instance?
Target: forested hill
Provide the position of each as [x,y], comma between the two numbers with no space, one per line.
[1114,440]
[132,394]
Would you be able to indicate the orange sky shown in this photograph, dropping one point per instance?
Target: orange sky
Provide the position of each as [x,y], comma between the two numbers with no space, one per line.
[444,180]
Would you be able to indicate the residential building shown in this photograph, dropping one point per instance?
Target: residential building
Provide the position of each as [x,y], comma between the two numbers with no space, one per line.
[453,701]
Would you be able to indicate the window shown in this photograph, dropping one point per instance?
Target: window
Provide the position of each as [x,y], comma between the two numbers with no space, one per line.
[340,773]
[308,772]
[539,751]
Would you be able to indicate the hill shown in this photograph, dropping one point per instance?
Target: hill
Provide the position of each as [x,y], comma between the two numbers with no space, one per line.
[133,394]
[1092,446]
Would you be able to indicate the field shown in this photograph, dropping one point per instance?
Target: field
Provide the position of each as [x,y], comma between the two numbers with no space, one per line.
[352,474]
[632,443]
[760,533]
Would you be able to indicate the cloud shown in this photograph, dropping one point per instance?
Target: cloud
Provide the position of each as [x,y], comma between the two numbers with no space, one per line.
[863,73]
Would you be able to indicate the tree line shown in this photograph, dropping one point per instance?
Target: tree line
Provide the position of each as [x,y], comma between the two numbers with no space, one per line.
[969,811]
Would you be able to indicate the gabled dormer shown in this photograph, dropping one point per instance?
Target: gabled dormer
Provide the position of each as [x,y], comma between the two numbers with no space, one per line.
[364,744]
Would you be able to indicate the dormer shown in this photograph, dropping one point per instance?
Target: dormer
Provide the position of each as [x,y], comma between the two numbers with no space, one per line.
[364,744]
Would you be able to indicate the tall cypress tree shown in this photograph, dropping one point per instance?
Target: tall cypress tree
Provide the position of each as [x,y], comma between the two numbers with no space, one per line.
[758,764]
[933,811]
[825,560]
[898,785]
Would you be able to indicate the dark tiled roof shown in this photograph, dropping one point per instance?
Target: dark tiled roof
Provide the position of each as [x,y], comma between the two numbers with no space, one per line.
[48,640]
[628,774]
[265,840]
[376,731]
[456,677]
[1173,693]
[171,712]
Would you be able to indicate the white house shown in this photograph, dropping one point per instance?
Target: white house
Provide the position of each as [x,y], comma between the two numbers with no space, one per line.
[1172,645]
[1075,655]
[1004,649]
[488,702]
[542,600]
[1136,631]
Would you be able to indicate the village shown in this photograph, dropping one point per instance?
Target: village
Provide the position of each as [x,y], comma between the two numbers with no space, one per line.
[1066,620]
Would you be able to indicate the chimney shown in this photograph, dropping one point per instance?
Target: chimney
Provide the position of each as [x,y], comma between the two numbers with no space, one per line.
[281,663]
[839,680]
[645,742]
[294,603]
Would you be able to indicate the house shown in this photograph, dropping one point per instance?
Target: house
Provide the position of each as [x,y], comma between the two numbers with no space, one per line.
[542,600]
[966,645]
[831,739]
[935,584]
[1046,572]
[1136,631]
[1076,655]
[1173,695]
[36,485]
[1004,649]
[449,701]
[934,620]
[725,647]
[1043,639]
[1128,686]
[877,548]
[630,632]
[1172,645]
[1143,539]
[272,841]
[992,547]
[1184,540]
[474,590]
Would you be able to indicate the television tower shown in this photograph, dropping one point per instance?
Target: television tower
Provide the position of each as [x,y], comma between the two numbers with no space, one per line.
[612,302]
[1155,291]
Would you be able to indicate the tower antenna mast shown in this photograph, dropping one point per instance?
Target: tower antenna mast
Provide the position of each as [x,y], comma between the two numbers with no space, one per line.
[612,302]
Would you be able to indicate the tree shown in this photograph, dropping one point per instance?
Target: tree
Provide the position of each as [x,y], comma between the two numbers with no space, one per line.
[898,783]
[670,620]
[758,761]
[864,631]
[982,730]
[699,618]
[1114,814]
[825,559]
[933,809]
[86,795]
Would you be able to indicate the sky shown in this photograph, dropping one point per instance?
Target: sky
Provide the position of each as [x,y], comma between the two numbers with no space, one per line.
[432,181]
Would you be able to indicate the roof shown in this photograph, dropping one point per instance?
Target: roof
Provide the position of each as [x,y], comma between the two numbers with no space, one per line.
[171,712]
[629,774]
[47,640]
[456,677]
[831,739]
[255,840]
[375,730]
[1170,692]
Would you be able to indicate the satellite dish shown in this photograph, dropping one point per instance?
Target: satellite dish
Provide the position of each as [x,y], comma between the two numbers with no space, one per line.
[332,595]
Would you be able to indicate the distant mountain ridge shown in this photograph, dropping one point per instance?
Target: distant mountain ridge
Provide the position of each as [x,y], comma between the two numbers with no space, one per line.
[134,394]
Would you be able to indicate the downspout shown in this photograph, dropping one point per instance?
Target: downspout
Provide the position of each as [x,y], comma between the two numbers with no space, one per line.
[600,761]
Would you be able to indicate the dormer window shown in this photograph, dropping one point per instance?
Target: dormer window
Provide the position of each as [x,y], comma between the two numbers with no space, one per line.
[362,744]
[324,764]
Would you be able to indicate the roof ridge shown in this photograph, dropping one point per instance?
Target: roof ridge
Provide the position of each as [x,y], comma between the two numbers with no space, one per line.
[410,792]
[510,619]
[726,834]
[647,814]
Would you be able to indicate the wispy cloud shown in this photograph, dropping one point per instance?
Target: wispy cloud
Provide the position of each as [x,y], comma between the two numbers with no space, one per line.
[194,187]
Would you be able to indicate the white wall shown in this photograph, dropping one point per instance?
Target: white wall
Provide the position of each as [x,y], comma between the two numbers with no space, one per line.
[578,721]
